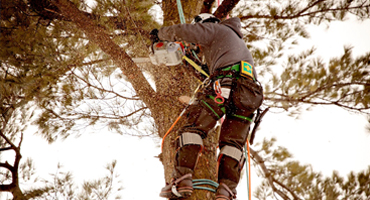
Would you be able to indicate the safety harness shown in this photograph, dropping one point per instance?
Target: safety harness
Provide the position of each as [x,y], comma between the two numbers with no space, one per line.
[234,71]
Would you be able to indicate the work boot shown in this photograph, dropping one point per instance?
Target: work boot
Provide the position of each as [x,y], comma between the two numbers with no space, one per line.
[225,193]
[178,188]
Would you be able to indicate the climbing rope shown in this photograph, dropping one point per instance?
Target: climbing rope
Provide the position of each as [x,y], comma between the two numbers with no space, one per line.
[181,12]
[198,182]
[248,169]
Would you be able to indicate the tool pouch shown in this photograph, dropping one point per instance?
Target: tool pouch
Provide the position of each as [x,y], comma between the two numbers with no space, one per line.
[247,94]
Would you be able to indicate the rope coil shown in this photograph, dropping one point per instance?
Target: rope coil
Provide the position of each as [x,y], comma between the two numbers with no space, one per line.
[198,182]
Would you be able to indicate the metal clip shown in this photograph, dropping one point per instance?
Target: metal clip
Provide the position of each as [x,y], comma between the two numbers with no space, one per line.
[217,88]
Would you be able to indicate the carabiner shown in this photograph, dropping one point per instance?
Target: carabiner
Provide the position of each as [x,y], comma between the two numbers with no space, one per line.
[217,89]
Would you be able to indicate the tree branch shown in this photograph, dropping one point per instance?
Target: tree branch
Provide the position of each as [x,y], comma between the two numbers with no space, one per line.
[323,102]
[207,5]
[98,35]
[259,160]
[105,116]
[6,187]
[6,148]
[14,185]
[102,89]
[299,14]
[286,188]
[224,9]
[310,6]
[47,10]
[7,166]
[8,141]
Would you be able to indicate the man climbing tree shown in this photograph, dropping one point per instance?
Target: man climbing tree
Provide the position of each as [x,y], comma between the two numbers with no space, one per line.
[233,90]
[107,36]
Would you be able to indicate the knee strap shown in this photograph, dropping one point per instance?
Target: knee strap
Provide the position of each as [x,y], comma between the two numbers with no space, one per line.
[233,153]
[190,138]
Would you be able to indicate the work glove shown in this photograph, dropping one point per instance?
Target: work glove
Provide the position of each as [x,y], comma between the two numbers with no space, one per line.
[154,35]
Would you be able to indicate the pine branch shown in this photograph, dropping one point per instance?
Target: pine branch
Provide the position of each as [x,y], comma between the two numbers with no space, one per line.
[12,146]
[47,10]
[336,85]
[286,188]
[102,89]
[14,185]
[103,116]
[207,5]
[310,6]
[301,13]
[224,9]
[6,148]
[312,102]
[6,187]
[260,161]
[99,36]
[7,166]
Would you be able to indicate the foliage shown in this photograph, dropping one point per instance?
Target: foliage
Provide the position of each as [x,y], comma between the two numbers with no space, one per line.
[297,181]
[62,185]
[66,65]
[343,82]
[274,28]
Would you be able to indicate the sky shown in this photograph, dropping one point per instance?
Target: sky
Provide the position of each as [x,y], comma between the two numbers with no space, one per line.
[328,138]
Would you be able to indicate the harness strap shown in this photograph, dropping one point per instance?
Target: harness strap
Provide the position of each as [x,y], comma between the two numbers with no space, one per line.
[234,71]
[230,72]
[197,67]
[209,107]
[244,117]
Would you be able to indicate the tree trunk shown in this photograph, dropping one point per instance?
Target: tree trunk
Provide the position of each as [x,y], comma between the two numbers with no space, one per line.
[206,168]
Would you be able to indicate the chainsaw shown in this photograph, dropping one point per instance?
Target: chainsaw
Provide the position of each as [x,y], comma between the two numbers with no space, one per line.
[167,53]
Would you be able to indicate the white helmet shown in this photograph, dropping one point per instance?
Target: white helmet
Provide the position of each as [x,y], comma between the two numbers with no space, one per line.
[205,17]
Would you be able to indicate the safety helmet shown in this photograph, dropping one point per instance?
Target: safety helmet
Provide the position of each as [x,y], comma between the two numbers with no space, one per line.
[205,17]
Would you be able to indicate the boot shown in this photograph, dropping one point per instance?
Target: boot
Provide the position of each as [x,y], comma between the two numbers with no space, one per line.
[178,188]
[225,193]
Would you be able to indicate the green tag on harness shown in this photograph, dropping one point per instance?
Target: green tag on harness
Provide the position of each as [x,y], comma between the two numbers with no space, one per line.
[246,70]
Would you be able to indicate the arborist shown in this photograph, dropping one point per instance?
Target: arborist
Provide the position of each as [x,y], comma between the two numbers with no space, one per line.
[234,91]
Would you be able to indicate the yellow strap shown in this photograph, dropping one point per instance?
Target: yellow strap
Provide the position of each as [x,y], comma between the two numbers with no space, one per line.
[197,67]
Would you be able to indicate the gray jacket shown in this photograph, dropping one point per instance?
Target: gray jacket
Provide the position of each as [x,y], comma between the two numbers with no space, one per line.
[222,43]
